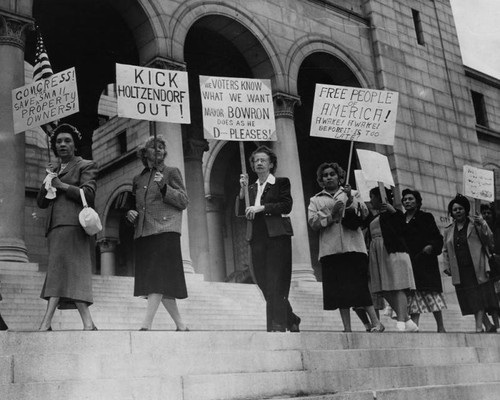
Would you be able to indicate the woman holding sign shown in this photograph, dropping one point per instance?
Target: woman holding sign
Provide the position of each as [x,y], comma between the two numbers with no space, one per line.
[391,274]
[68,283]
[465,260]
[342,249]
[159,197]
[425,243]
[270,235]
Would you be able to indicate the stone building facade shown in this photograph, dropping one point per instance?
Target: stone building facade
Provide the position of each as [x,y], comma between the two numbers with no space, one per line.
[408,47]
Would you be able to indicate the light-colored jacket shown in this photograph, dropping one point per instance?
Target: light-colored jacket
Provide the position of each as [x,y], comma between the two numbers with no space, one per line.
[479,259]
[334,238]
[160,204]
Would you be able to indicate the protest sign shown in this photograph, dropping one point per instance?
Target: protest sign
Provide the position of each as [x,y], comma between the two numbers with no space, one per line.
[479,183]
[45,100]
[354,114]
[375,166]
[152,94]
[237,109]
[364,186]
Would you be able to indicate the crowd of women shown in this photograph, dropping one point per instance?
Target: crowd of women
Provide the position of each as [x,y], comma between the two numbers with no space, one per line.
[371,254]
[399,265]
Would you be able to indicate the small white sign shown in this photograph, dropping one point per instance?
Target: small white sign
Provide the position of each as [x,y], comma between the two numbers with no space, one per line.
[237,109]
[152,94]
[375,166]
[354,114]
[479,183]
[45,101]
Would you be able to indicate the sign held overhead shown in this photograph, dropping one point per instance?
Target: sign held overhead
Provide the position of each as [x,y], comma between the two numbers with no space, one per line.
[152,94]
[237,109]
[45,100]
[354,114]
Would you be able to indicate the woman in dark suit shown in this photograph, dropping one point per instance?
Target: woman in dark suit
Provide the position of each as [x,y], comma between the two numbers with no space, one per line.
[69,275]
[270,232]
[425,243]
[159,198]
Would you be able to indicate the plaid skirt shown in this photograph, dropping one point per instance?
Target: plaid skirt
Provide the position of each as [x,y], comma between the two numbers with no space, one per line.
[420,302]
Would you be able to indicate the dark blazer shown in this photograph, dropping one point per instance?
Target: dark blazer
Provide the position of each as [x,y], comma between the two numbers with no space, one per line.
[159,205]
[419,232]
[64,209]
[277,202]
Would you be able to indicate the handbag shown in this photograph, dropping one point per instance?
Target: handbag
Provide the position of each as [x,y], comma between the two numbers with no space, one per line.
[352,219]
[493,259]
[89,219]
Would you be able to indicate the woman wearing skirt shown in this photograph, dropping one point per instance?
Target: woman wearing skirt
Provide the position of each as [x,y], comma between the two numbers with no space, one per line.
[342,249]
[159,196]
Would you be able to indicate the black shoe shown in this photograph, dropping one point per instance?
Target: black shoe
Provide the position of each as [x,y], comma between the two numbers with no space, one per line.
[278,327]
[295,326]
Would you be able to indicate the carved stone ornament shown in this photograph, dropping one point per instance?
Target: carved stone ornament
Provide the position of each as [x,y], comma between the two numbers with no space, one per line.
[13,29]
[284,105]
[165,63]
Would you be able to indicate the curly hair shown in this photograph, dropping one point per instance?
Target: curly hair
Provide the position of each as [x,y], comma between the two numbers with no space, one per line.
[333,165]
[266,150]
[66,128]
[141,150]
[414,193]
[460,200]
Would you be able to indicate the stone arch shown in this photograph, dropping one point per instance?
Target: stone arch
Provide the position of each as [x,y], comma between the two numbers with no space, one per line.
[268,65]
[307,46]
[148,27]
[116,234]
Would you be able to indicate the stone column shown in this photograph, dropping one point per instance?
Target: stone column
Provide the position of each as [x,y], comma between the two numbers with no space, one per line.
[172,133]
[198,228]
[107,247]
[12,184]
[215,222]
[288,165]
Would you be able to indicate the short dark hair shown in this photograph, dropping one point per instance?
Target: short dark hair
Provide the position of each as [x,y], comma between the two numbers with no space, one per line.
[66,128]
[266,150]
[414,193]
[460,200]
[333,165]
[388,193]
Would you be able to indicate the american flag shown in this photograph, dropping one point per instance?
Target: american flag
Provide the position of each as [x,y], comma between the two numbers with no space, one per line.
[43,70]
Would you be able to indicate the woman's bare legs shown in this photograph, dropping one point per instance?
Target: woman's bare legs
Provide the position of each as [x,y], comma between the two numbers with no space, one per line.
[154,300]
[173,310]
[83,309]
[345,314]
[49,314]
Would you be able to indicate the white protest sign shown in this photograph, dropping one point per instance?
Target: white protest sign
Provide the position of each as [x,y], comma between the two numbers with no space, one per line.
[354,114]
[375,166]
[45,101]
[479,183]
[152,94]
[237,109]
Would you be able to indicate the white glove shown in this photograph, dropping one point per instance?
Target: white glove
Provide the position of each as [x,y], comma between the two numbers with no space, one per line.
[51,191]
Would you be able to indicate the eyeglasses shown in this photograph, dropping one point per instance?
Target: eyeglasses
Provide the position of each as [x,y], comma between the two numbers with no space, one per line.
[327,174]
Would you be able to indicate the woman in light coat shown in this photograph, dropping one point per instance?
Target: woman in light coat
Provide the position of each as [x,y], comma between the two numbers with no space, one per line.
[464,258]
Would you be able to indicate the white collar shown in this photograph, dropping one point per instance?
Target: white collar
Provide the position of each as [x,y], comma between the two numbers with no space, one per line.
[271,179]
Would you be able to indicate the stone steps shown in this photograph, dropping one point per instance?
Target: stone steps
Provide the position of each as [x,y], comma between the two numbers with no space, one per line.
[247,365]
[210,306]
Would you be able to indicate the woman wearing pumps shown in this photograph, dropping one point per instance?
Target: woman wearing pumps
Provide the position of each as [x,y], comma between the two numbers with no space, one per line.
[391,274]
[159,198]
[425,243]
[68,283]
[465,259]
[270,237]
[342,250]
